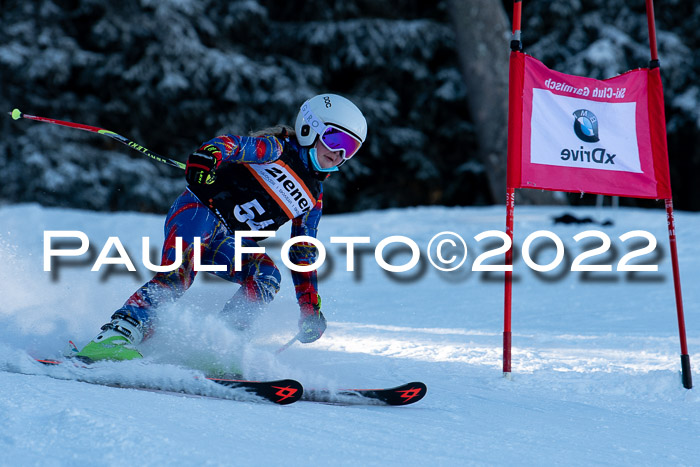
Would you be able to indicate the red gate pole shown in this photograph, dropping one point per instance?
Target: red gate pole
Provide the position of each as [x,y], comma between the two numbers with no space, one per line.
[685,357]
[651,23]
[508,300]
[517,15]
[515,45]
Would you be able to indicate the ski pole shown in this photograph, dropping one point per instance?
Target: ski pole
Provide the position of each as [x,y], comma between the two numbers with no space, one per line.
[287,345]
[16,115]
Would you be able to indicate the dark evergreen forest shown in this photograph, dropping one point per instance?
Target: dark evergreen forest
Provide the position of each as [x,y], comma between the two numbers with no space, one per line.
[171,74]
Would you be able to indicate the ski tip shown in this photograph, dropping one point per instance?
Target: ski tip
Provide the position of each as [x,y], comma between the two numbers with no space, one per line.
[406,394]
[48,361]
[75,360]
[16,114]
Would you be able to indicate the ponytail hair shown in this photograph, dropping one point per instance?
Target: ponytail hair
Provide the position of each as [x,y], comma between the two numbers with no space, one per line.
[279,131]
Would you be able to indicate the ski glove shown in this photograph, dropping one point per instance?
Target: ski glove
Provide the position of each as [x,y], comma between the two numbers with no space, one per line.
[312,323]
[202,164]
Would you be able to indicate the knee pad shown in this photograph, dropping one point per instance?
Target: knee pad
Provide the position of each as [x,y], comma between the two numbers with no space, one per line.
[249,300]
[263,287]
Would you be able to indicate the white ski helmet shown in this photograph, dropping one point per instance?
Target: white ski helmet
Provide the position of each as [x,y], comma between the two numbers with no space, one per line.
[338,122]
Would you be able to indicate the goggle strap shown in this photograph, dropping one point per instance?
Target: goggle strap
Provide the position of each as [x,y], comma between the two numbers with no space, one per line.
[314,122]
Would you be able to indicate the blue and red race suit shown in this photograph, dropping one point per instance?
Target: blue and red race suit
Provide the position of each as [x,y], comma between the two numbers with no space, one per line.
[261,183]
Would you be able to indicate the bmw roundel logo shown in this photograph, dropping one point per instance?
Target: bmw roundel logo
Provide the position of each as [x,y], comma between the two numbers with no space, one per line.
[586,126]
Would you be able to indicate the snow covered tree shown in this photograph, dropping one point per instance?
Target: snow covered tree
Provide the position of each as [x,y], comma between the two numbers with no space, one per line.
[171,74]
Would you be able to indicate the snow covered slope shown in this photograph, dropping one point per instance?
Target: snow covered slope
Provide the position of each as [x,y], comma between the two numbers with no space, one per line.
[595,355]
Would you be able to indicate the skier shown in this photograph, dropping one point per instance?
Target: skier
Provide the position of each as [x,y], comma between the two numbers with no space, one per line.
[243,183]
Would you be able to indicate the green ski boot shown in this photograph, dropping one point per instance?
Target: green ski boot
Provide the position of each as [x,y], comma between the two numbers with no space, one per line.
[115,342]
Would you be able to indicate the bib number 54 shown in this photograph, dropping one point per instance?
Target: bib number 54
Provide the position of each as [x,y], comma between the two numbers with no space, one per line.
[247,212]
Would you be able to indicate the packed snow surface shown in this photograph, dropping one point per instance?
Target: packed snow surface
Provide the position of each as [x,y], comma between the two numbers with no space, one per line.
[595,377]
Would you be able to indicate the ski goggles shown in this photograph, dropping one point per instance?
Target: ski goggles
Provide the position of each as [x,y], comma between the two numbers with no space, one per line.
[333,137]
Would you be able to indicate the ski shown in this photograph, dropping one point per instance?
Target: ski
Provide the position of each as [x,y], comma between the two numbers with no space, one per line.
[287,391]
[404,394]
[282,391]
